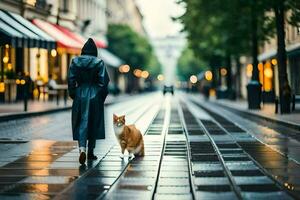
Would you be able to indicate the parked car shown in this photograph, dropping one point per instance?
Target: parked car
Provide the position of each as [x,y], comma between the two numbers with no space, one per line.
[168,88]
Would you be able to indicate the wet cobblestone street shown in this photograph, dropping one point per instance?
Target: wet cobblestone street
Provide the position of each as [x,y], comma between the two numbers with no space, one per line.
[193,150]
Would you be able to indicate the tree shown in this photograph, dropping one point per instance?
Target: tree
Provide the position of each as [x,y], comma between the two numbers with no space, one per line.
[231,28]
[188,65]
[129,46]
[221,30]
[154,66]
[134,49]
[280,9]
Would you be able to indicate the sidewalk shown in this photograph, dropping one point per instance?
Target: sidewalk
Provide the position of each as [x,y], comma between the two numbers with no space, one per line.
[267,110]
[35,107]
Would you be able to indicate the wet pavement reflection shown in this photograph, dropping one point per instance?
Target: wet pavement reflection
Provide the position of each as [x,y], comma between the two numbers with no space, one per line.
[192,152]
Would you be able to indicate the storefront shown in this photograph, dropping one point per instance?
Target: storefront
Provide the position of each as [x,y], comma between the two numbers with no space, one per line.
[69,44]
[24,52]
[269,71]
[294,68]
[67,48]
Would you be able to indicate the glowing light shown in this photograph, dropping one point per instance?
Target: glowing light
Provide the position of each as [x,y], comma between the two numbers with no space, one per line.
[5,59]
[18,81]
[223,71]
[260,66]
[193,79]
[160,77]
[208,75]
[145,74]
[274,61]
[53,53]
[9,66]
[267,65]
[35,92]
[137,73]
[268,72]
[249,70]
[31,2]
[124,68]
[2,87]
[7,46]
[286,184]
[23,82]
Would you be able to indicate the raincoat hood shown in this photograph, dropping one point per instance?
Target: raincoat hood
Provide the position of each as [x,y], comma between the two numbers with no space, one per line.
[89,48]
[86,61]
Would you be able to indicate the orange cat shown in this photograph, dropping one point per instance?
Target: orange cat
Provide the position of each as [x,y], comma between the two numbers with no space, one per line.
[129,137]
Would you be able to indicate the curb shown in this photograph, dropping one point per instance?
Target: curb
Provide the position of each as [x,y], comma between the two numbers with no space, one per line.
[21,115]
[14,116]
[236,110]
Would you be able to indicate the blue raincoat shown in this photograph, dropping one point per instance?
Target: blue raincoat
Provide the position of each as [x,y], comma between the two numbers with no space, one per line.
[87,85]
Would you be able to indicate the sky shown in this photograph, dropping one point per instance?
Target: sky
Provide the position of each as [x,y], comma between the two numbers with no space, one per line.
[157,17]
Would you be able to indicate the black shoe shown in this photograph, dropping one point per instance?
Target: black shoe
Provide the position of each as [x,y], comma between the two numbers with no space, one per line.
[82,158]
[92,157]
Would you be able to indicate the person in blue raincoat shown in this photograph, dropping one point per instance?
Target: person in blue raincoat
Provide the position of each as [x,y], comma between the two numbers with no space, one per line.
[87,86]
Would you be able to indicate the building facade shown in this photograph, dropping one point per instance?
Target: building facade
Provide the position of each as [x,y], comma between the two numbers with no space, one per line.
[268,66]
[66,22]
[125,12]
[27,8]
[268,69]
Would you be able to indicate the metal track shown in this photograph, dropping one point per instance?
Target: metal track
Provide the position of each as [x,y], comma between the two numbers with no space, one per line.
[233,185]
[163,179]
[131,182]
[191,174]
[174,177]
[89,173]
[224,125]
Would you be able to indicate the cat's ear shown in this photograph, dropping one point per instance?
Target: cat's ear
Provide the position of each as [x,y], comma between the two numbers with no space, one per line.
[123,118]
[115,117]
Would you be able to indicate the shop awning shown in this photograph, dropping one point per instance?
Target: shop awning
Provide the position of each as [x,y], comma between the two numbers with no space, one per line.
[99,43]
[8,35]
[19,32]
[47,40]
[66,39]
[79,38]
[291,50]
[63,40]
[109,58]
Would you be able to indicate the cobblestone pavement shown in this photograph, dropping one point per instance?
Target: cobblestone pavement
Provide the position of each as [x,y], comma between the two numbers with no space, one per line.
[193,151]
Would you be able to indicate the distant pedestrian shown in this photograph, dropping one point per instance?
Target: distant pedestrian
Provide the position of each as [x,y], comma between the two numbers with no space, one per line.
[87,85]
[40,85]
[52,84]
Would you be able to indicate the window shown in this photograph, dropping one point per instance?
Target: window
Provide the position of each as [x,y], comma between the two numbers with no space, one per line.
[65,5]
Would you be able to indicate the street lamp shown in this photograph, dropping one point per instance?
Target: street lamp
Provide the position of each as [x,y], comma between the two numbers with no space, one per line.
[193,79]
[53,53]
[137,73]
[249,69]
[160,77]
[208,75]
[223,71]
[145,74]
[124,68]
